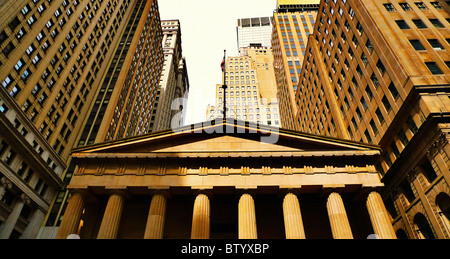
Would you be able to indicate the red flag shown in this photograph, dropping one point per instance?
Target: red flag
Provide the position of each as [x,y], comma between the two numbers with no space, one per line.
[222,65]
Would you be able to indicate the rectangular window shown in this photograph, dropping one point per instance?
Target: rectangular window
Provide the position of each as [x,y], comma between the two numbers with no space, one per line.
[421,6]
[386,103]
[393,91]
[381,67]
[436,5]
[379,115]
[389,7]
[374,126]
[374,79]
[436,23]
[417,45]
[402,136]
[433,67]
[395,150]
[363,103]
[369,92]
[435,44]
[419,23]
[366,133]
[405,6]
[402,24]
[412,125]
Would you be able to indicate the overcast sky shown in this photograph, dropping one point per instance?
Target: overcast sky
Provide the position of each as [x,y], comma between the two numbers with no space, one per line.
[208,27]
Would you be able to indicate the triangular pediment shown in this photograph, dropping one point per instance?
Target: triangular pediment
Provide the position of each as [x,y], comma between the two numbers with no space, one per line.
[229,137]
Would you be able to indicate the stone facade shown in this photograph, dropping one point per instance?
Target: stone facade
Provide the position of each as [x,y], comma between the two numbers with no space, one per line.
[225,181]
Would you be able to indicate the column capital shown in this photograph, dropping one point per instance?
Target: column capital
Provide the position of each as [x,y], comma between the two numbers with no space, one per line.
[118,190]
[164,192]
[207,192]
[285,191]
[25,199]
[6,182]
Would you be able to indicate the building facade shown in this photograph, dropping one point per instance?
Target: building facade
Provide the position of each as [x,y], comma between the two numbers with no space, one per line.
[378,72]
[53,56]
[291,29]
[224,181]
[251,90]
[173,89]
[254,31]
[139,40]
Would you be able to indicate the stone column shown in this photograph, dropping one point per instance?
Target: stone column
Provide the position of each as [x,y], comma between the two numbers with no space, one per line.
[156,217]
[247,217]
[8,226]
[200,218]
[379,217]
[109,227]
[338,217]
[32,228]
[293,222]
[72,215]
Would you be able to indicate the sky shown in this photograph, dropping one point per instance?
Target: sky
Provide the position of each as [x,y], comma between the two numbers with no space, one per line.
[208,27]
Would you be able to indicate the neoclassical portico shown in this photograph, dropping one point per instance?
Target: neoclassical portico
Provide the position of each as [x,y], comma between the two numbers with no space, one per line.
[201,174]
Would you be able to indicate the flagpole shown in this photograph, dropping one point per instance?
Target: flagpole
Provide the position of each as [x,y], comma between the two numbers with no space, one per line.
[224,86]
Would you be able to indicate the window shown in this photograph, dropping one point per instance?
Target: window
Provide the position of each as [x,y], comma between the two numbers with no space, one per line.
[366,133]
[363,103]
[379,115]
[14,91]
[374,79]
[436,5]
[369,46]
[369,92]
[374,126]
[402,136]
[389,7]
[412,125]
[433,67]
[386,103]
[393,91]
[419,23]
[7,81]
[31,20]
[436,23]
[435,44]
[421,6]
[402,24]
[405,6]
[395,150]
[381,67]
[364,59]
[417,45]
[19,65]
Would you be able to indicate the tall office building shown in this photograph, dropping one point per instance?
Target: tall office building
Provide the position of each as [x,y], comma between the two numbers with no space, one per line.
[251,94]
[138,41]
[293,22]
[378,72]
[52,60]
[174,83]
[254,31]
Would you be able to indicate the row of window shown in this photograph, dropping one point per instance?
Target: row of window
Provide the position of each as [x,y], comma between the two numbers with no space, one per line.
[406,7]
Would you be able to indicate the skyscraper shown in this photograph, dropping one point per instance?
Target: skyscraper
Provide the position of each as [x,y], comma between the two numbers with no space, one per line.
[138,42]
[293,22]
[378,72]
[174,83]
[53,56]
[251,94]
[254,31]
